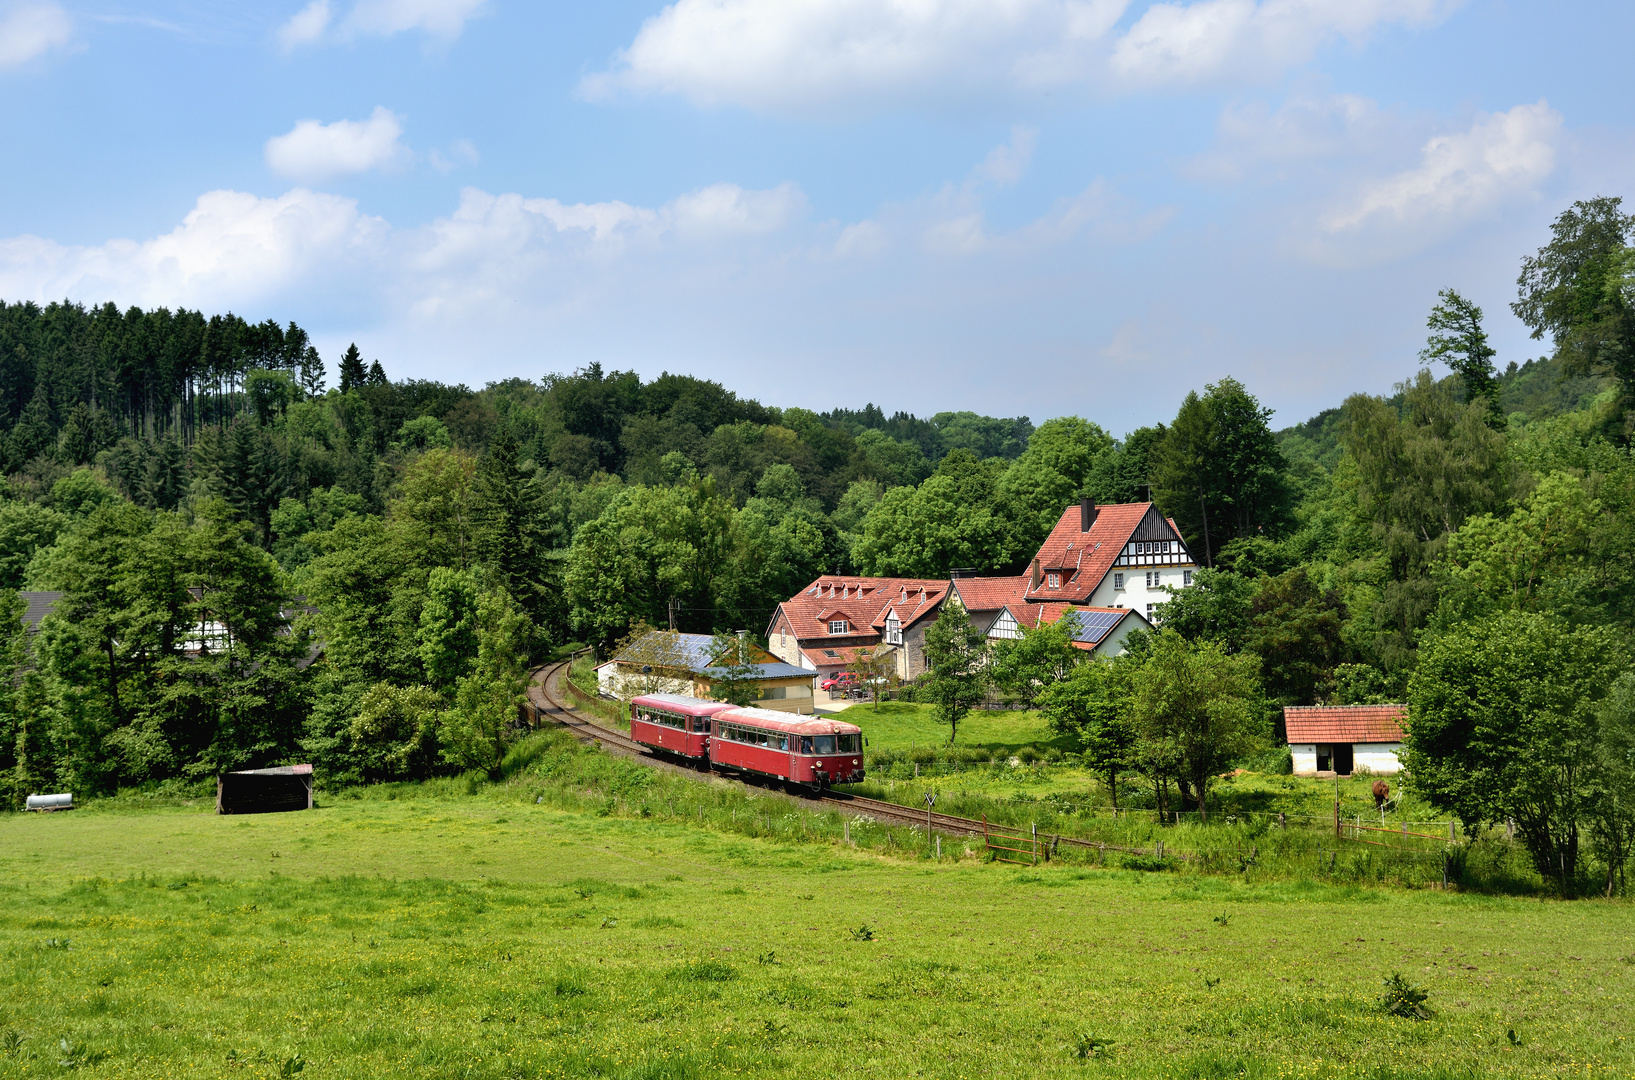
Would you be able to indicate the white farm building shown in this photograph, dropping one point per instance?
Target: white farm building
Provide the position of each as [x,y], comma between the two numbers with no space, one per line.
[1340,739]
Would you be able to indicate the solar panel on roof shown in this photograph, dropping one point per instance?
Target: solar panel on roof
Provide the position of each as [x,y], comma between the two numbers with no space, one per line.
[1093,625]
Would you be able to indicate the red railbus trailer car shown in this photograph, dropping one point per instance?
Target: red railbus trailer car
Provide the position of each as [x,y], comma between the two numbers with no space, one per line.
[673,724]
[807,753]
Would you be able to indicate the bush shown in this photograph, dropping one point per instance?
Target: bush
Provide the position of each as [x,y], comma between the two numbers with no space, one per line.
[1404,999]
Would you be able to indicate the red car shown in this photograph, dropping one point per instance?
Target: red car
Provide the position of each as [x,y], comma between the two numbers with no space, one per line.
[840,680]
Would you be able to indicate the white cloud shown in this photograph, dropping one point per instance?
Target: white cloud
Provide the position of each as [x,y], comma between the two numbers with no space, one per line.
[1006,163]
[313,151]
[442,20]
[804,55]
[307,26]
[232,248]
[1460,177]
[1183,44]
[460,152]
[1251,139]
[773,55]
[31,30]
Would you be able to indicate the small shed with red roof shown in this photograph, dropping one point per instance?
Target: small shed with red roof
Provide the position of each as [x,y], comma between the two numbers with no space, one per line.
[1341,739]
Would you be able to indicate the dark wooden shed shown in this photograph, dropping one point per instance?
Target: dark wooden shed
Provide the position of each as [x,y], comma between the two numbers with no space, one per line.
[264,791]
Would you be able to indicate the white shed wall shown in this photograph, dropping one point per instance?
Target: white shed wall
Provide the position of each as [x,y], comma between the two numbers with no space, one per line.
[1305,758]
[1376,757]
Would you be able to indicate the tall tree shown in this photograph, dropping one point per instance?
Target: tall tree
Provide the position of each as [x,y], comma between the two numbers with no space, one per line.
[1580,290]
[1421,470]
[1458,340]
[1218,471]
[1503,723]
[508,518]
[1092,706]
[1195,709]
[957,669]
[1044,655]
[353,374]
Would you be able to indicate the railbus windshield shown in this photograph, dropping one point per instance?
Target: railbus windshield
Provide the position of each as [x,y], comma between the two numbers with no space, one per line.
[831,744]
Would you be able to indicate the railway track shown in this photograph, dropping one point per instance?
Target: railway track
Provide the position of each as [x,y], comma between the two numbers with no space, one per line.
[548,705]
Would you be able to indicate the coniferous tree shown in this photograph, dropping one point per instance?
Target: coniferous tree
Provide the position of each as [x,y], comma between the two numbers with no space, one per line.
[353,375]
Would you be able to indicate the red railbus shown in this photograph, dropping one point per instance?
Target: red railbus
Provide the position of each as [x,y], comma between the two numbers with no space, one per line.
[805,752]
[673,724]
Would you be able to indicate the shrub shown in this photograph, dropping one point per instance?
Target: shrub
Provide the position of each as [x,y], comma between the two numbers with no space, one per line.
[1404,999]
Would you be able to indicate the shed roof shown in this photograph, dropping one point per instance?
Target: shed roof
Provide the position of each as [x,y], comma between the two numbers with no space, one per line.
[763,671]
[280,770]
[1345,723]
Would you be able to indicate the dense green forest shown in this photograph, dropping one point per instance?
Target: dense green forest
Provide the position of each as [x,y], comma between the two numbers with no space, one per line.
[217,516]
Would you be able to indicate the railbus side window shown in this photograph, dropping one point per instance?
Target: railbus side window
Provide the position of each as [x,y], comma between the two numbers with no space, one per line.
[806,744]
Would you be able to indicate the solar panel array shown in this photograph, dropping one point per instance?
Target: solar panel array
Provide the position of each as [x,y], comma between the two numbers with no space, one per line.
[1093,625]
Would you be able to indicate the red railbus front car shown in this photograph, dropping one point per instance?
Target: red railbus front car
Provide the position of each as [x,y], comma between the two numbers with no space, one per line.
[805,752]
[673,724]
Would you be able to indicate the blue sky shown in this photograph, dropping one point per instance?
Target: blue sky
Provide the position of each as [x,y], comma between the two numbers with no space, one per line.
[1030,207]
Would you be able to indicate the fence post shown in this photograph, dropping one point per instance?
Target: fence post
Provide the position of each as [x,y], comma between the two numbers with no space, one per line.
[1035,843]
[1451,835]
[846,830]
[1282,821]
[1336,807]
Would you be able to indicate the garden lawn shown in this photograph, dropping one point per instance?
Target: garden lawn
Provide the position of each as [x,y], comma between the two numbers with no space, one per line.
[487,936]
[899,725]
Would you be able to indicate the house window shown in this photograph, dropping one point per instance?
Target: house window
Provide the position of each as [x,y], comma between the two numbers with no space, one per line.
[1149,611]
[837,626]
[1186,577]
[1053,581]
[894,631]
[1118,581]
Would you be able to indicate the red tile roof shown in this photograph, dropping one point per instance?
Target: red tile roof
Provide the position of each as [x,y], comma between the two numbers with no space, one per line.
[845,655]
[1083,559]
[991,593]
[1345,723]
[861,601]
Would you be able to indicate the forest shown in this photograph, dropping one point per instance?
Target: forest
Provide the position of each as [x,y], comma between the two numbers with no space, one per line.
[257,565]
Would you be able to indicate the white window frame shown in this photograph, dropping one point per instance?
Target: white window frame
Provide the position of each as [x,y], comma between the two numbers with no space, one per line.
[894,630]
[1186,577]
[837,626]
[1053,581]
[1118,581]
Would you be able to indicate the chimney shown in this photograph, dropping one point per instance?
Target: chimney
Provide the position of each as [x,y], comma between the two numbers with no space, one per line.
[1035,573]
[1087,514]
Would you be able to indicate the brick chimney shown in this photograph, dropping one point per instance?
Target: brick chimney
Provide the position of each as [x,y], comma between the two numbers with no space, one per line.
[1035,573]
[1087,514]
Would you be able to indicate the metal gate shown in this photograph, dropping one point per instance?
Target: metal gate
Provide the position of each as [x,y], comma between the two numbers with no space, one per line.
[1012,841]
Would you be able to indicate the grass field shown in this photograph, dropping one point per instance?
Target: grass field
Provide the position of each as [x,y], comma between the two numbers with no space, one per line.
[545,928]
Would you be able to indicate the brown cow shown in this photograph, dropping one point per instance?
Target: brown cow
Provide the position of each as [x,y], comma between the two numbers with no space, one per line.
[1382,791]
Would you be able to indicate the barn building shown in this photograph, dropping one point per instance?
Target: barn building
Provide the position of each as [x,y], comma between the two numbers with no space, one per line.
[1338,740]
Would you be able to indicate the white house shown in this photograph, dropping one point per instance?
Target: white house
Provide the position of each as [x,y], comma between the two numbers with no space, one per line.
[1340,739]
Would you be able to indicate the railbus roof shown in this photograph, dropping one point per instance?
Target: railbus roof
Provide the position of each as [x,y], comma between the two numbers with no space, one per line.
[692,706]
[781,721]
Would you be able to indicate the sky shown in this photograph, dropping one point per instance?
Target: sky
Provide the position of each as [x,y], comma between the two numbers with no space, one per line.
[1017,207]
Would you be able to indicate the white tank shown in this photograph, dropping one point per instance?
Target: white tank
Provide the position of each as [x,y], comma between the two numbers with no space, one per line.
[65,801]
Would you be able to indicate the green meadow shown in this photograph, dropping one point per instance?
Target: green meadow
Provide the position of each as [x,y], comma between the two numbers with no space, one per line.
[594,918]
